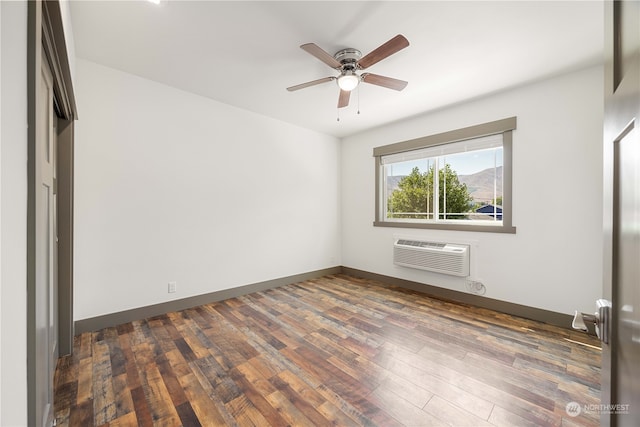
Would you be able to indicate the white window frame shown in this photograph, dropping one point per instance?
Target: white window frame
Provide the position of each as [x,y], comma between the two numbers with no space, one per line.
[437,142]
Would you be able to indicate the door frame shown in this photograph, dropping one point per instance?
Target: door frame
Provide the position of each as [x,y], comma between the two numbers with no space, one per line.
[54,46]
[45,34]
[607,198]
[621,113]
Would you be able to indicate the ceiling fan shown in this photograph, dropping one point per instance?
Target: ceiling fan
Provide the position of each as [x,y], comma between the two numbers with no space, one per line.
[349,61]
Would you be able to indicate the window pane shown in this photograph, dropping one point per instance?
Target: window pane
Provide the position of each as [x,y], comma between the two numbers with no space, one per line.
[481,173]
[455,200]
[409,189]
[469,187]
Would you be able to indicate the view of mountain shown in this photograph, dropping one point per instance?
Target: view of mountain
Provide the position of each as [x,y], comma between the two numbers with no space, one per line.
[479,184]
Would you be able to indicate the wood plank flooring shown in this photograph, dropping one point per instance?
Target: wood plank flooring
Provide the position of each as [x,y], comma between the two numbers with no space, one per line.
[331,351]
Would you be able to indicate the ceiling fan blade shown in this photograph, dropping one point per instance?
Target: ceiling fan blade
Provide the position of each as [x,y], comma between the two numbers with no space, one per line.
[312,83]
[323,56]
[383,81]
[343,100]
[394,45]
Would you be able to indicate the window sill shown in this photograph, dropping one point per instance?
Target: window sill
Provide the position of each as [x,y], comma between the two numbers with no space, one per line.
[448,226]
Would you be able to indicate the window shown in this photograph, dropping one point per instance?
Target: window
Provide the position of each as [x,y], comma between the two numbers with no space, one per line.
[458,180]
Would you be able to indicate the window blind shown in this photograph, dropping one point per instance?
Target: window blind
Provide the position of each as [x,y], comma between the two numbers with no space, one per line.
[482,143]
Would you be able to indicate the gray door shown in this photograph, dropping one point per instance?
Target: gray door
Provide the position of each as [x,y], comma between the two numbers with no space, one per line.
[46,348]
[621,355]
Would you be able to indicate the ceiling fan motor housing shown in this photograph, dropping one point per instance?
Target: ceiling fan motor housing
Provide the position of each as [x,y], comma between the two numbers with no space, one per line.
[348,58]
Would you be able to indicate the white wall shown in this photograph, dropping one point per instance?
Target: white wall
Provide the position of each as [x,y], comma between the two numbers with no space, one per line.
[171,186]
[554,261]
[65,11]
[1,211]
[13,220]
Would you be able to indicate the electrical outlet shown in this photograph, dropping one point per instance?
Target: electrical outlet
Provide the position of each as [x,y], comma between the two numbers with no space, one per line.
[172,287]
[476,287]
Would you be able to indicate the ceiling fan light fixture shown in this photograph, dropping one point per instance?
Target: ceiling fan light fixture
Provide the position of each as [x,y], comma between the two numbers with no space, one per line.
[348,81]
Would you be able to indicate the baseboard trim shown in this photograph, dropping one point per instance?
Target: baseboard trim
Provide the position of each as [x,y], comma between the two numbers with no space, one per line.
[113,319]
[532,313]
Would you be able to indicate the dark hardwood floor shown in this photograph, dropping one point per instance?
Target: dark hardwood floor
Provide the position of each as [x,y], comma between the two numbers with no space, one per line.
[332,351]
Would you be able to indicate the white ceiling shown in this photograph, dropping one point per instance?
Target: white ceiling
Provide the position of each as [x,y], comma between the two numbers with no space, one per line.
[246,53]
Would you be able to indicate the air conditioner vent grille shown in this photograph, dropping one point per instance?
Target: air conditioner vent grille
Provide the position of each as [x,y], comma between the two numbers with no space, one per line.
[439,257]
[420,244]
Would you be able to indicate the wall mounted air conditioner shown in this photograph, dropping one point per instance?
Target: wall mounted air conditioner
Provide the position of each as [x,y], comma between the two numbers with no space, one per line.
[446,258]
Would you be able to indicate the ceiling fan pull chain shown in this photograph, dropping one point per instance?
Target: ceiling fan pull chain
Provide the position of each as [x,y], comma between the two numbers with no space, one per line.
[337,114]
[358,99]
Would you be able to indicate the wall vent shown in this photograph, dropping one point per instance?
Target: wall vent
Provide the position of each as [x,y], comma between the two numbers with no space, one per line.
[446,258]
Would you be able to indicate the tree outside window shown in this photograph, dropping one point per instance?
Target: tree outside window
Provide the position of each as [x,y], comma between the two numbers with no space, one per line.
[414,196]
